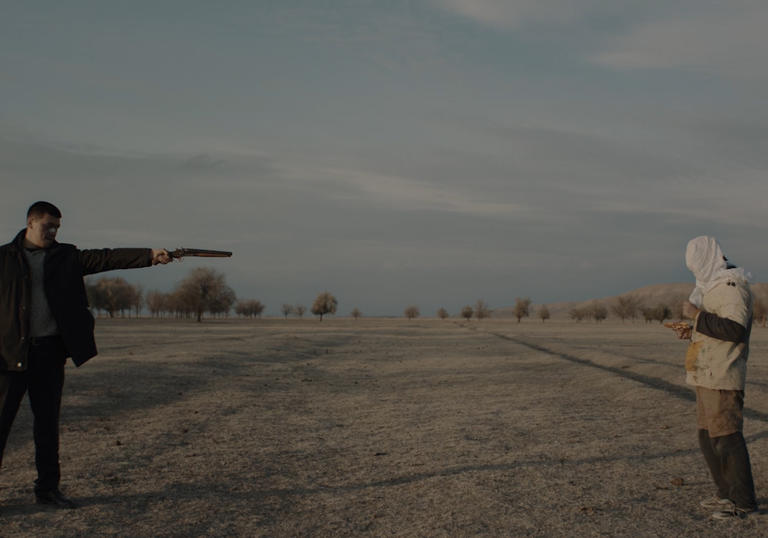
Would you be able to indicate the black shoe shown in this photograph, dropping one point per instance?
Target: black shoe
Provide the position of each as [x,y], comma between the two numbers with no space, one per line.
[55,498]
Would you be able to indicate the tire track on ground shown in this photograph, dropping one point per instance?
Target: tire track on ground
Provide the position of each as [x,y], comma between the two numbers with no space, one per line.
[678,391]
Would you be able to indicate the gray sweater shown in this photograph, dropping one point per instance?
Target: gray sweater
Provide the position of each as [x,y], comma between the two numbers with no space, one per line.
[40,317]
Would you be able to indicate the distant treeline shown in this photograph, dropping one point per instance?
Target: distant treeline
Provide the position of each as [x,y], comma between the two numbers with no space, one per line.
[203,291]
[633,307]
[628,307]
[625,307]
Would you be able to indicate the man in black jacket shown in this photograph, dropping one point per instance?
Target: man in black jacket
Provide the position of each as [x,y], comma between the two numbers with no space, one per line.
[44,319]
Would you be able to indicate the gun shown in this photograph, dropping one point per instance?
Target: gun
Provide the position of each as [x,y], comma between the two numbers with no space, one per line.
[678,325]
[682,329]
[181,252]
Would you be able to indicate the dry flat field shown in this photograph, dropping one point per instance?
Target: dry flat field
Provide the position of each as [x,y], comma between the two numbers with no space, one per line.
[381,427]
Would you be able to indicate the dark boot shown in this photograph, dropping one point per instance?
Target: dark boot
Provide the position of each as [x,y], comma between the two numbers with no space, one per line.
[713,462]
[736,470]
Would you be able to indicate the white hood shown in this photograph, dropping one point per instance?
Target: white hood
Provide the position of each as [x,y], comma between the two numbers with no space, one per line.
[705,259]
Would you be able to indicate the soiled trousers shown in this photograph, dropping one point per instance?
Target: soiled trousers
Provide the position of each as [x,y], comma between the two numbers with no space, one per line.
[720,421]
[44,380]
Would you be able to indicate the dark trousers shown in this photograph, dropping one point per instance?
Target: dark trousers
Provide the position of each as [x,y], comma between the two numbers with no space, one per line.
[44,380]
[728,461]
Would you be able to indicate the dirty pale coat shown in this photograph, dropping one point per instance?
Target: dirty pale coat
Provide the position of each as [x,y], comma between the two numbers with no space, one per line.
[722,291]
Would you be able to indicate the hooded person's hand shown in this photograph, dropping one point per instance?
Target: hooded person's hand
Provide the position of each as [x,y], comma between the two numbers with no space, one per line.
[690,310]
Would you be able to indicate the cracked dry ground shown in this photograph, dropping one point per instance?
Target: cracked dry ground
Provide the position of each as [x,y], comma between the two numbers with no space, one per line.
[381,427]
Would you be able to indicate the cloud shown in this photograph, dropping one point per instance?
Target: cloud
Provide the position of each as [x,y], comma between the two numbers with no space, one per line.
[24,156]
[529,175]
[714,38]
[202,161]
[728,39]
[404,193]
[130,195]
[506,14]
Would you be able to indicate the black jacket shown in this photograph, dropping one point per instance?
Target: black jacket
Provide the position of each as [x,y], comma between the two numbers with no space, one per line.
[63,269]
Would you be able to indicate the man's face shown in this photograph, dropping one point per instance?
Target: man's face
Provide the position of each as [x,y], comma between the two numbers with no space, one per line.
[41,231]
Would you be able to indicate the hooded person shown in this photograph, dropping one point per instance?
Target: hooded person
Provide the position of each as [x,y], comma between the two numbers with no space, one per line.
[716,365]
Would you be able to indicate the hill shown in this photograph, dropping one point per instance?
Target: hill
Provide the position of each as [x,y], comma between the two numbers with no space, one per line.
[651,295]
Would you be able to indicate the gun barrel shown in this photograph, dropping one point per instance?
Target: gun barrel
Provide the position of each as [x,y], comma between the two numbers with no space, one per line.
[199,252]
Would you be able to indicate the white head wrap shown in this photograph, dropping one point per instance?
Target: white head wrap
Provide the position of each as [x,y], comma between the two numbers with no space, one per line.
[705,259]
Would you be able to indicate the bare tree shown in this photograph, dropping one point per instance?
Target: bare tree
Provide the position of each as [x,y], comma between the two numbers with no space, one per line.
[676,310]
[257,307]
[325,303]
[543,313]
[180,305]
[286,310]
[157,302]
[648,313]
[467,312]
[356,313]
[412,312]
[95,297]
[442,313]
[759,312]
[522,308]
[249,308]
[205,290]
[113,295]
[137,299]
[481,309]
[598,311]
[300,309]
[578,314]
[658,313]
[626,307]
[222,303]
[662,312]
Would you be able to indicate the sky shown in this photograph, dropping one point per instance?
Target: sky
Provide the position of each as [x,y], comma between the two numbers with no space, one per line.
[394,153]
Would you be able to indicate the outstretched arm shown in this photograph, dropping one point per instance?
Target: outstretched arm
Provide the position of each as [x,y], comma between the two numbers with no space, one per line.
[108,259]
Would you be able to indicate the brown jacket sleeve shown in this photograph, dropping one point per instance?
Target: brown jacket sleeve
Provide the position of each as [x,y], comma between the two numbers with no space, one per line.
[720,328]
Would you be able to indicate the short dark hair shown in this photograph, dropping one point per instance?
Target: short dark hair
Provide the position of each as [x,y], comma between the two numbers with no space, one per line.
[40,209]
